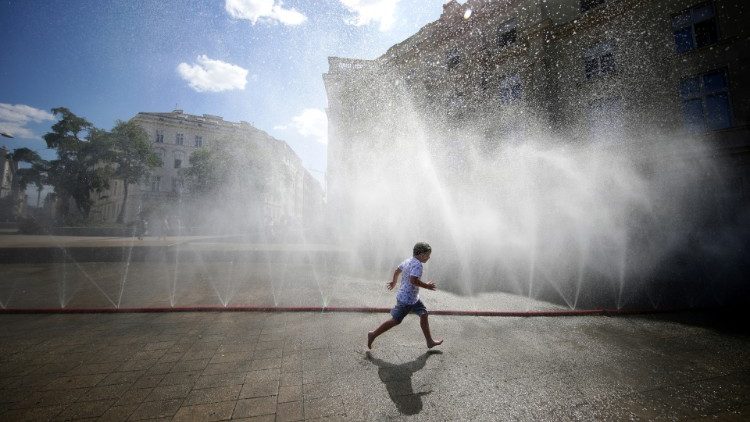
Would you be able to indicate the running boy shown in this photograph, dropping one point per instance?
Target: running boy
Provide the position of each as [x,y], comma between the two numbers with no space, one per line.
[407,298]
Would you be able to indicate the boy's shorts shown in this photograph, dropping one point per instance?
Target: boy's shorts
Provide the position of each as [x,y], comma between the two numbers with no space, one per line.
[402,309]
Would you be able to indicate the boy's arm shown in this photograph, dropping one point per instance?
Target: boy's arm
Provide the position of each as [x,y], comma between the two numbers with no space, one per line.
[430,285]
[392,284]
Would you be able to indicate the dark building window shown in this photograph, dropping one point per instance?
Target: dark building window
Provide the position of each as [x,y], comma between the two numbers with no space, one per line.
[178,158]
[511,89]
[179,139]
[453,58]
[695,27]
[159,137]
[587,5]
[198,141]
[506,33]
[705,101]
[155,182]
[599,60]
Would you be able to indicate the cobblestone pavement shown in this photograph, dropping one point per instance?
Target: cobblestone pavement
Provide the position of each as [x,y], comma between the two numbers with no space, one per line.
[305,366]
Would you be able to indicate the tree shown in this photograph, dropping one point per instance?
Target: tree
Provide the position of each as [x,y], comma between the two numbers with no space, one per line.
[130,151]
[78,170]
[35,174]
[231,166]
[234,173]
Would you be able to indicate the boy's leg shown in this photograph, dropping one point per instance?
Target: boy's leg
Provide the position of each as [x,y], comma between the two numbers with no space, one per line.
[387,325]
[423,321]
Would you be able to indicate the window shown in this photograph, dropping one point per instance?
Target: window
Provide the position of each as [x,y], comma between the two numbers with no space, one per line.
[176,184]
[453,58]
[695,28]
[605,116]
[178,157]
[506,33]
[587,5]
[511,89]
[155,182]
[160,153]
[705,101]
[599,60]
[159,137]
[179,139]
[198,141]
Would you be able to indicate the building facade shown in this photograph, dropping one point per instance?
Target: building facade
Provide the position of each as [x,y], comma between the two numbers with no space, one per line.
[175,136]
[583,70]
[7,171]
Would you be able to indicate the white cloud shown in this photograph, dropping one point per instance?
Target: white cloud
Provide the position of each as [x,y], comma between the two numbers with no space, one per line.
[271,10]
[213,75]
[312,123]
[15,117]
[375,11]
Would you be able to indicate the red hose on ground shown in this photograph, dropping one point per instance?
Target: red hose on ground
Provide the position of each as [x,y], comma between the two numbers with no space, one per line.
[322,309]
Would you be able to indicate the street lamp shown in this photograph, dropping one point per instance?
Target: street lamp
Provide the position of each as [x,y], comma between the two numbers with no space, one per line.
[6,135]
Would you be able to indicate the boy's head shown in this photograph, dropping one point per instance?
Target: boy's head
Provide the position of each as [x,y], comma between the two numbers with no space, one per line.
[422,251]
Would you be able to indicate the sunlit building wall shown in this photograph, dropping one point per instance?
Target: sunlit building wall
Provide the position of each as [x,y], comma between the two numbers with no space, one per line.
[7,169]
[611,72]
[174,137]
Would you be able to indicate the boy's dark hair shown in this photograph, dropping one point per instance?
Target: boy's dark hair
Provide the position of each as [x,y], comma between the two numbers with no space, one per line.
[422,247]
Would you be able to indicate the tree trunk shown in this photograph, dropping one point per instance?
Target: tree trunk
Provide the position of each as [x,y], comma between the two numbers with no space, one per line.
[121,214]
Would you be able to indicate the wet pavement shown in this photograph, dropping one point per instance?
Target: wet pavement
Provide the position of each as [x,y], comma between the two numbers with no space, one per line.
[309,366]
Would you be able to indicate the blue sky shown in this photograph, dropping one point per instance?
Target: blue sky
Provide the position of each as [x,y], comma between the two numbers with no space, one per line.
[255,60]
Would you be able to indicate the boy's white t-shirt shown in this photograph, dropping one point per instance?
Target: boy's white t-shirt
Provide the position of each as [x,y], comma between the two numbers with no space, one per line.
[407,292]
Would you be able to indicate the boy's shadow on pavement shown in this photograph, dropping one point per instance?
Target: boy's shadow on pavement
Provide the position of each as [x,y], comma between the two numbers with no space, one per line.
[397,380]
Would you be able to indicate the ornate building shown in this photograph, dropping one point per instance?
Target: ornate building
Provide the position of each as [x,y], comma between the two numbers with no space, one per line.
[177,135]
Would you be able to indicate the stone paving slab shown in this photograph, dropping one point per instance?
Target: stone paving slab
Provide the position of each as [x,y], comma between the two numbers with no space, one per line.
[315,366]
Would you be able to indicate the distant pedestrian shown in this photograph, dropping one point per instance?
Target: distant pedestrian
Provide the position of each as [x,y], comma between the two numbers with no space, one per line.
[141,227]
[407,298]
[163,228]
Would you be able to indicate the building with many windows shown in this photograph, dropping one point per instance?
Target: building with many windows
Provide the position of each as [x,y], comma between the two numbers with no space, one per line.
[608,71]
[293,194]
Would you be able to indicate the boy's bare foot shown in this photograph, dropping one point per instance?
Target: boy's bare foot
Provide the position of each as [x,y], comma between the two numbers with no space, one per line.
[434,343]
[370,338]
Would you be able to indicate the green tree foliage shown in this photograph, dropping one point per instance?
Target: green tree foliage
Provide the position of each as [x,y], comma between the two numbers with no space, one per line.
[131,154]
[206,171]
[35,173]
[230,167]
[77,171]
[229,183]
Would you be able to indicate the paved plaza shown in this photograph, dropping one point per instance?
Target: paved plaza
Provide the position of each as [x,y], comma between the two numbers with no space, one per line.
[288,366]
[310,366]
